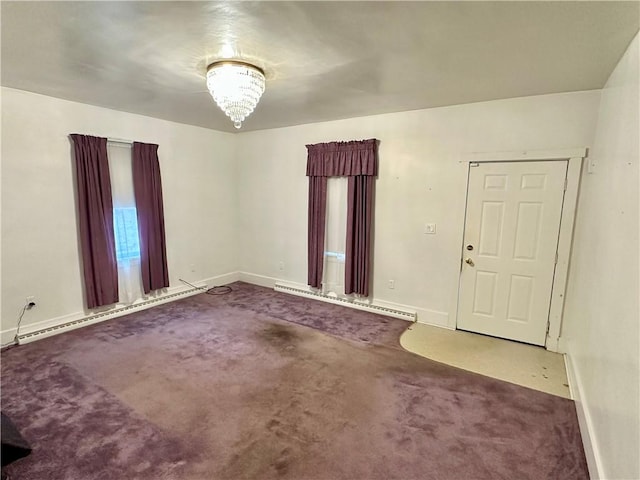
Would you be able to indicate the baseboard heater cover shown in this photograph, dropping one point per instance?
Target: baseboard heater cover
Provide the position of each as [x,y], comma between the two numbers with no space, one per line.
[381,310]
[98,317]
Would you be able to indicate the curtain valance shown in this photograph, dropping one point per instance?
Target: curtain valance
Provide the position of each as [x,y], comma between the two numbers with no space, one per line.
[343,159]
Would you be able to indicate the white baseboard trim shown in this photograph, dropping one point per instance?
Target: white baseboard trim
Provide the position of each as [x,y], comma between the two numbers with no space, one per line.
[434,318]
[48,328]
[437,325]
[65,323]
[406,312]
[7,336]
[584,420]
[565,358]
[305,291]
[54,326]
[223,279]
[259,280]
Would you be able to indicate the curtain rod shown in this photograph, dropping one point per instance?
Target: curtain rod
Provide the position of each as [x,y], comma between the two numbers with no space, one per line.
[120,140]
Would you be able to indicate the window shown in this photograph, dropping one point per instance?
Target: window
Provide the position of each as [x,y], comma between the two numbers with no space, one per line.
[335,237]
[125,225]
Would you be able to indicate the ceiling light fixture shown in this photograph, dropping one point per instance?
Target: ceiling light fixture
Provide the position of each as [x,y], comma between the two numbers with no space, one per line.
[236,87]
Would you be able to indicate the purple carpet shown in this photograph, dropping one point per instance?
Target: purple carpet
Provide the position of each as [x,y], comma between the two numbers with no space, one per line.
[260,384]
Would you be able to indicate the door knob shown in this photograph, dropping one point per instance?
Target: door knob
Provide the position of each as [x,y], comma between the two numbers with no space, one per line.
[469,261]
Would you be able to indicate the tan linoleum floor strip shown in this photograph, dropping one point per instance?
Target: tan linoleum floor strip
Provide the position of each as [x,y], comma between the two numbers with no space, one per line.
[514,362]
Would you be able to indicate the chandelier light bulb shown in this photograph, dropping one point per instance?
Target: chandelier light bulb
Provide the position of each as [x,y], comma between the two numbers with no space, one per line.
[236,87]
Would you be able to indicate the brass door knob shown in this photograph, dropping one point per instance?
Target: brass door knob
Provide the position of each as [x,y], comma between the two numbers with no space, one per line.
[469,261]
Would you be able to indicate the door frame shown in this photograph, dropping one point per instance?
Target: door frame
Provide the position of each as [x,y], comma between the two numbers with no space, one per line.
[575,158]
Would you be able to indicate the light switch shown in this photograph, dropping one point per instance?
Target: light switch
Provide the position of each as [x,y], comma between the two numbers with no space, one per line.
[430,228]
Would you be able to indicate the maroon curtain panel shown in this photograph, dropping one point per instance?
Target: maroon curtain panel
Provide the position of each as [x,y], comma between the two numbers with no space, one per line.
[95,220]
[147,188]
[359,218]
[317,213]
[357,160]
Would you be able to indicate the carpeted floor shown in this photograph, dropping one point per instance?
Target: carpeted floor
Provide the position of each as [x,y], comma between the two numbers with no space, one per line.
[239,386]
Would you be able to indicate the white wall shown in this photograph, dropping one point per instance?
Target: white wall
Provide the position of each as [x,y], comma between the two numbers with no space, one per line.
[601,328]
[240,203]
[39,231]
[420,180]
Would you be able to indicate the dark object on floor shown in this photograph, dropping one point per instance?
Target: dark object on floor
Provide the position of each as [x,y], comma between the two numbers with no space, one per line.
[14,446]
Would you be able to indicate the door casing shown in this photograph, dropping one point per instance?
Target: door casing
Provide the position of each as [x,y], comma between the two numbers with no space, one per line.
[575,157]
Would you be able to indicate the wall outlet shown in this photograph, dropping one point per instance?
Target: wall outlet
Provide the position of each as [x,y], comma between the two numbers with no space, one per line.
[430,228]
[29,300]
[391,284]
[193,268]
[281,266]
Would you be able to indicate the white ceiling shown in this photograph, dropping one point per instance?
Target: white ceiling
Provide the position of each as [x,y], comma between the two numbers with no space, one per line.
[323,60]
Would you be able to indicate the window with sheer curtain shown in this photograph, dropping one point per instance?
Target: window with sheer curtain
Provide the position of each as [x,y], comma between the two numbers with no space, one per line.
[125,223]
[335,237]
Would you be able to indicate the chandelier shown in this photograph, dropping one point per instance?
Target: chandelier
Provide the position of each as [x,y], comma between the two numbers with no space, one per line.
[236,87]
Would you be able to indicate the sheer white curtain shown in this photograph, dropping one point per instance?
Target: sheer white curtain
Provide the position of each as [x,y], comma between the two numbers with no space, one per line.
[335,237]
[125,223]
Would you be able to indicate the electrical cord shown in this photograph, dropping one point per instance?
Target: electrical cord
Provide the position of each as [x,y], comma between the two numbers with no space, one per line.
[219,290]
[215,290]
[15,339]
[27,306]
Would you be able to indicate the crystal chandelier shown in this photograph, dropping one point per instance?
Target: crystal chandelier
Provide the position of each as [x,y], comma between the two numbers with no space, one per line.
[236,87]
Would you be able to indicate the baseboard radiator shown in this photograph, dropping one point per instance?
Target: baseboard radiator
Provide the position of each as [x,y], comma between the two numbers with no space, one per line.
[347,302]
[102,316]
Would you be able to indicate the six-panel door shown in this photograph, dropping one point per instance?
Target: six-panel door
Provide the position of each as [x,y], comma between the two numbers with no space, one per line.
[510,245]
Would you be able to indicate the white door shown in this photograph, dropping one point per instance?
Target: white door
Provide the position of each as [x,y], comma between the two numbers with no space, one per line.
[510,244]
